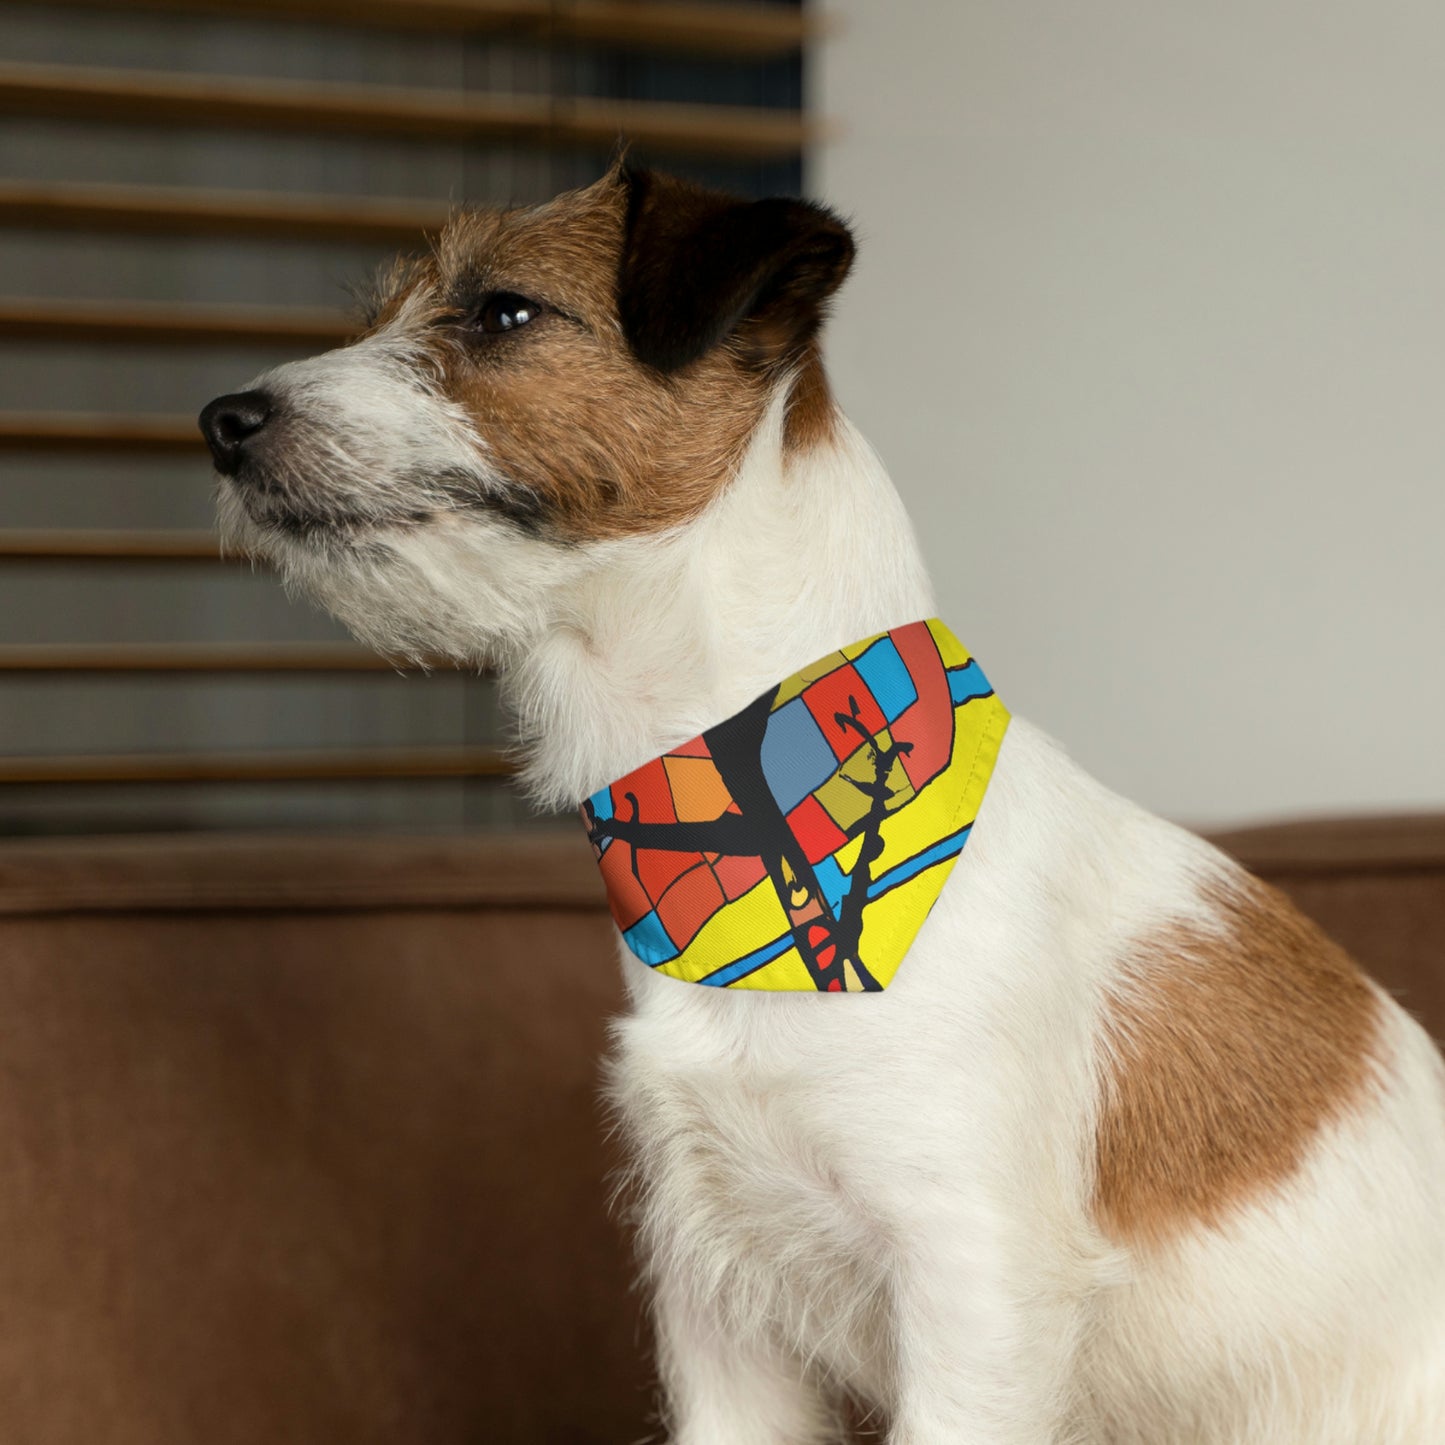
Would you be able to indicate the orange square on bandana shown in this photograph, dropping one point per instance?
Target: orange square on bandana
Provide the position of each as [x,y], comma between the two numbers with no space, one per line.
[698,792]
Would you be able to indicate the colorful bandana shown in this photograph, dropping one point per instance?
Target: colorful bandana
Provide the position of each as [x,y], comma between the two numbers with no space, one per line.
[799,845]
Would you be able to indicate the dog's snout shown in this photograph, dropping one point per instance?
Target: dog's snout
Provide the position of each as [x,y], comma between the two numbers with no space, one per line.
[229,422]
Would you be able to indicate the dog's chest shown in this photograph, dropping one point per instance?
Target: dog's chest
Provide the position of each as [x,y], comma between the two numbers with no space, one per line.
[748,1186]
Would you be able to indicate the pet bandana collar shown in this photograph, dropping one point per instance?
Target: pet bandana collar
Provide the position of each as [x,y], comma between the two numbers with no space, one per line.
[799,845]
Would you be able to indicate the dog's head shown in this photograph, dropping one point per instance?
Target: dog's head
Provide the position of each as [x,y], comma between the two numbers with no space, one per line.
[546,380]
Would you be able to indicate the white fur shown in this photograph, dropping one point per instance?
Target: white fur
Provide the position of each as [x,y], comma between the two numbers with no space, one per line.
[890,1194]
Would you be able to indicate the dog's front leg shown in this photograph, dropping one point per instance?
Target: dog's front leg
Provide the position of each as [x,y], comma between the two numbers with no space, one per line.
[985,1350]
[722,1387]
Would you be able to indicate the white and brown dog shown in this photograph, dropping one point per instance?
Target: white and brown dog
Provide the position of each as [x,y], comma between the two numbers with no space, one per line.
[1128,1153]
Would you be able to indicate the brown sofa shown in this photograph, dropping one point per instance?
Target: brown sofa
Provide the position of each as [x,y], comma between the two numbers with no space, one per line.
[299,1139]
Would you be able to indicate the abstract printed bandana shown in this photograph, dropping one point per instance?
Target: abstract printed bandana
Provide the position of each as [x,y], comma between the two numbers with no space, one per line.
[799,845]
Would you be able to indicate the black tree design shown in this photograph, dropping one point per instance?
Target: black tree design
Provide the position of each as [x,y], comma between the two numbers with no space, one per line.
[827,944]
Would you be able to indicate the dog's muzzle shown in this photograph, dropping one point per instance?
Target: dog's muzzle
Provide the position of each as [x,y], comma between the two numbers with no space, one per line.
[231,424]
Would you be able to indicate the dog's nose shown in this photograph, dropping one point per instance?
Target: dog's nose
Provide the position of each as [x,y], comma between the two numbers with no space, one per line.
[229,422]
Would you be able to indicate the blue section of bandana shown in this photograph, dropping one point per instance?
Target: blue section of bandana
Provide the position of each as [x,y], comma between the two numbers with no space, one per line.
[796,757]
[740,967]
[887,678]
[648,939]
[967,682]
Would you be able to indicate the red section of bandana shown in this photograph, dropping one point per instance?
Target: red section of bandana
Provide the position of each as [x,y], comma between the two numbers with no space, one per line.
[928,722]
[737,875]
[815,830]
[625,896]
[689,903]
[836,694]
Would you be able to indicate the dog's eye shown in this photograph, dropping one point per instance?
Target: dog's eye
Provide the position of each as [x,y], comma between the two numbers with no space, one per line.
[505,311]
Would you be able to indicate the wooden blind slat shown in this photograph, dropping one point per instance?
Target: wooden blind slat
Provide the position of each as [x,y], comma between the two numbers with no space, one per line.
[108,546]
[96,431]
[705,29]
[753,31]
[113,96]
[160,98]
[176,211]
[270,767]
[169,323]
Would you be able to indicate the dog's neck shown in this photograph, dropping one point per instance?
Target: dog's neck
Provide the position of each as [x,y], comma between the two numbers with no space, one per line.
[656,639]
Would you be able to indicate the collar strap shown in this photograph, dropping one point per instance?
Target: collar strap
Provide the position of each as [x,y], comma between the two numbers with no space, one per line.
[799,845]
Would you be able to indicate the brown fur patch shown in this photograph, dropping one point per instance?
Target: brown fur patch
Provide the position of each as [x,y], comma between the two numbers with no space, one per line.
[1228,1053]
[812,412]
[595,442]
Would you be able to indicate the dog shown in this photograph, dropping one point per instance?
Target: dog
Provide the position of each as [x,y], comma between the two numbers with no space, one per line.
[1127,1152]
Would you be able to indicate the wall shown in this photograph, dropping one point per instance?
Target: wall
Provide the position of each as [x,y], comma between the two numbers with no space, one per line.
[1149,324]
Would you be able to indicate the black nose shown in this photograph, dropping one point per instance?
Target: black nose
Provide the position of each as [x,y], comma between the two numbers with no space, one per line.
[229,422]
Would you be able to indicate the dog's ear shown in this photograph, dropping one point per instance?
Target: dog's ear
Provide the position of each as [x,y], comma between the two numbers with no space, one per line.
[699,267]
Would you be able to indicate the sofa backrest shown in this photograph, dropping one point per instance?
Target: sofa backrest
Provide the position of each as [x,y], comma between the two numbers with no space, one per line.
[300,1142]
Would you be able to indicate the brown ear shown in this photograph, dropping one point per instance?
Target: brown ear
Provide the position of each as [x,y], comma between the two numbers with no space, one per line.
[699,266]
